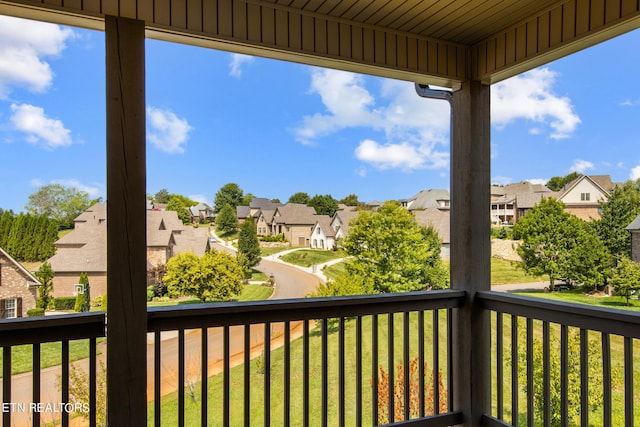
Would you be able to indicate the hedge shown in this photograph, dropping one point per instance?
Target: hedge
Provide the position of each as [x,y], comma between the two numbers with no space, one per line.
[64,303]
[35,312]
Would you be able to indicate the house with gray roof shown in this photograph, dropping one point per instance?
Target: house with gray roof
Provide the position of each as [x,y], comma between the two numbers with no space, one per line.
[84,249]
[440,220]
[294,221]
[341,219]
[18,288]
[583,195]
[201,212]
[510,202]
[634,230]
[432,198]
[323,236]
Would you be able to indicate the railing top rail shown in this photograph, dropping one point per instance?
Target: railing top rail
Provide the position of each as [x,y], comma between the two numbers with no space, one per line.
[241,313]
[51,328]
[601,319]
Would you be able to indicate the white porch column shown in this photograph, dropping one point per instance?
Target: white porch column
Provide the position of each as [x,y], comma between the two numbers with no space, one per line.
[470,247]
[126,223]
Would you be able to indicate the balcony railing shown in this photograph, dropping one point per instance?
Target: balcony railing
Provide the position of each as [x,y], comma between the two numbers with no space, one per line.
[366,360]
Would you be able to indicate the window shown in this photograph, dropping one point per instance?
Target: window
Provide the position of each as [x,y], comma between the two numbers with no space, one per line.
[318,230]
[585,197]
[10,308]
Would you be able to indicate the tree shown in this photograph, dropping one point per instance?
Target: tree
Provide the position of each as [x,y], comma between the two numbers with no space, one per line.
[324,204]
[391,252]
[216,276]
[59,203]
[622,207]
[300,197]
[229,194]
[227,221]
[162,196]
[247,199]
[181,207]
[351,200]
[557,182]
[248,247]
[588,261]
[45,276]
[626,278]
[81,298]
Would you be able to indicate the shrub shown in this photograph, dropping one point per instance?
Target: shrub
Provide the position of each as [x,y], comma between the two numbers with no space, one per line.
[80,303]
[103,305]
[150,293]
[276,238]
[64,303]
[97,301]
[35,312]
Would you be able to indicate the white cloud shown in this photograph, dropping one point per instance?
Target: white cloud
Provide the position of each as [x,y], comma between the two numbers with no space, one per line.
[635,173]
[630,102]
[538,181]
[361,172]
[94,190]
[200,198]
[413,127]
[23,45]
[166,131]
[237,61]
[501,180]
[581,166]
[39,129]
[530,96]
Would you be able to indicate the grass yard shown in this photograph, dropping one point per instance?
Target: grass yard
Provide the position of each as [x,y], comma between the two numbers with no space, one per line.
[307,258]
[504,272]
[249,293]
[267,251]
[334,270]
[577,296]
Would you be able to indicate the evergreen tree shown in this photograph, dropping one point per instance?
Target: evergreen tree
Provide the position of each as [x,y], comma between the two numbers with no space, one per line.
[45,277]
[248,247]
[227,221]
[6,220]
[16,237]
[81,298]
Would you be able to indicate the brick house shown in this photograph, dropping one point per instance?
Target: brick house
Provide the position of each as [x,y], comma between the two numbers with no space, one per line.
[634,229]
[18,288]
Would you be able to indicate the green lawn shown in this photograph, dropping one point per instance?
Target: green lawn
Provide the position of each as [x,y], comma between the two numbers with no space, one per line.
[229,236]
[307,258]
[577,296]
[265,251]
[334,270]
[249,293]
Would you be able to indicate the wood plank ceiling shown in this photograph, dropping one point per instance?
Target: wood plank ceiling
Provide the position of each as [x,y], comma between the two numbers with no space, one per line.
[428,41]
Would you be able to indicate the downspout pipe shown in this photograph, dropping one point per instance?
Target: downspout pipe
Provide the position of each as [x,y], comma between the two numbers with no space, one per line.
[425,91]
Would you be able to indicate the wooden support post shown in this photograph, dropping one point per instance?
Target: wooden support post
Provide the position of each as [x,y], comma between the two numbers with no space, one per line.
[126,223]
[470,247]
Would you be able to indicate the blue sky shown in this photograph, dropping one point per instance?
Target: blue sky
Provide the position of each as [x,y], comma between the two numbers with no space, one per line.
[277,128]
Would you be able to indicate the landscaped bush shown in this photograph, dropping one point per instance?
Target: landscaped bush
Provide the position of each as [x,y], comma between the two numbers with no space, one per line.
[150,293]
[97,301]
[276,238]
[64,303]
[35,312]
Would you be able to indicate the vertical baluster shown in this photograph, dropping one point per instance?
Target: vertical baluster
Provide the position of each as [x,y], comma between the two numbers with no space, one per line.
[267,374]
[36,383]
[341,392]
[305,377]
[499,366]
[405,360]
[421,373]
[606,378]
[325,373]
[530,413]
[359,371]
[287,373]
[157,366]
[564,375]
[436,361]
[65,381]
[584,377]
[628,382]
[204,374]
[226,378]
[514,370]
[374,368]
[181,377]
[6,383]
[390,367]
[247,375]
[450,358]
[93,375]
[546,374]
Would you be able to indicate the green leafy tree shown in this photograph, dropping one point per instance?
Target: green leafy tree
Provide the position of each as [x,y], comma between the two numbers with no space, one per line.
[557,182]
[246,199]
[81,298]
[551,244]
[351,200]
[344,285]
[6,220]
[229,194]
[181,206]
[626,278]
[216,276]
[392,252]
[622,207]
[45,276]
[227,221]
[162,196]
[248,247]
[300,197]
[324,204]
[59,203]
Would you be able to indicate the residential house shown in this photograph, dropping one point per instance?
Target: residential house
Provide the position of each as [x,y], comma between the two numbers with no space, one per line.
[264,221]
[341,219]
[440,220]
[201,212]
[84,248]
[243,213]
[295,221]
[323,236]
[634,229]
[18,288]
[261,203]
[433,198]
[583,195]
[504,200]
